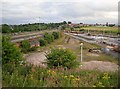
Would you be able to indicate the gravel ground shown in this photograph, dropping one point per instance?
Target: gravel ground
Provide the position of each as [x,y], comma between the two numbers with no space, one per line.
[99,65]
[37,59]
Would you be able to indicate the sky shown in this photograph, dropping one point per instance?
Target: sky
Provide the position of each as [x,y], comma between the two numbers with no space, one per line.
[76,11]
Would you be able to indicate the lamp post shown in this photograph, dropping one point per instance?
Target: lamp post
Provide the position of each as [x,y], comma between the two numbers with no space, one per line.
[39,23]
[81,47]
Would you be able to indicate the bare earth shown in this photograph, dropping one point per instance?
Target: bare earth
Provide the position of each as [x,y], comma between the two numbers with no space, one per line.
[99,65]
[39,59]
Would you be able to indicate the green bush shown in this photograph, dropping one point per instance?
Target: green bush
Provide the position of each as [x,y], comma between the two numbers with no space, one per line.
[48,37]
[43,42]
[10,53]
[33,48]
[56,35]
[61,57]
[25,46]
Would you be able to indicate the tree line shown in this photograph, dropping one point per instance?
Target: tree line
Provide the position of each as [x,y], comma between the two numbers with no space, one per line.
[30,27]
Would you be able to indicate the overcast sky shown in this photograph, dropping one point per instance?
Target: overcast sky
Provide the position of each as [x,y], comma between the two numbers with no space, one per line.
[76,11]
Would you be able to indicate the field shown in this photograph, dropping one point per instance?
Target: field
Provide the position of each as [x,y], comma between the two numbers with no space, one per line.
[74,45]
[29,76]
[109,30]
[23,76]
[101,28]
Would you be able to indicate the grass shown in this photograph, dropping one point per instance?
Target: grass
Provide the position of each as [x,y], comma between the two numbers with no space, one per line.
[75,47]
[29,76]
[53,44]
[87,56]
[24,76]
[100,28]
[109,30]
[101,56]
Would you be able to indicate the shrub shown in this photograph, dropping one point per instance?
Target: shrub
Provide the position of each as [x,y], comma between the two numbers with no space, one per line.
[25,46]
[10,53]
[48,37]
[56,35]
[33,48]
[43,42]
[61,57]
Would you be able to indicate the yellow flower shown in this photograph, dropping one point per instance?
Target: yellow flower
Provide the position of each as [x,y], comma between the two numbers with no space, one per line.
[71,76]
[65,76]
[77,79]
[94,86]
[105,73]
[48,71]
[53,72]
[99,83]
[106,76]
[42,73]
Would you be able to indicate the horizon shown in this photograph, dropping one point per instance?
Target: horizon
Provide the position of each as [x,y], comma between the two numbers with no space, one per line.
[59,22]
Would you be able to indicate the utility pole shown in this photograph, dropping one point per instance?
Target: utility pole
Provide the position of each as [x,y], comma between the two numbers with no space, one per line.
[81,47]
[39,23]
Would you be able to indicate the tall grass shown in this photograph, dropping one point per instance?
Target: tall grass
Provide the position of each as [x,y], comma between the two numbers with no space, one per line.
[29,76]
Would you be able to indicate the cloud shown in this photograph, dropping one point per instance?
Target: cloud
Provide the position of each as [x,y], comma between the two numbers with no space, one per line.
[24,11]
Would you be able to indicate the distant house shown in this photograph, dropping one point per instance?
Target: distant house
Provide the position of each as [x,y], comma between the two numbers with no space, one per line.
[34,43]
[72,25]
[18,44]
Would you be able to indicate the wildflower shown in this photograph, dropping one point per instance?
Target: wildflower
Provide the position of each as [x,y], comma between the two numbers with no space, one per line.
[105,73]
[77,79]
[31,76]
[33,70]
[71,76]
[105,76]
[42,73]
[65,76]
[94,86]
[53,72]
[100,84]
[61,73]
[48,71]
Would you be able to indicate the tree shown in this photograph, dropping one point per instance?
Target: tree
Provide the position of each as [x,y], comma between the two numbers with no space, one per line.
[43,42]
[61,57]
[56,35]
[64,22]
[69,22]
[10,53]
[25,46]
[6,29]
[48,37]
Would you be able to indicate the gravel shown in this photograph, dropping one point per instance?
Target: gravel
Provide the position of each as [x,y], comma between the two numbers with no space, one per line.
[99,65]
[37,59]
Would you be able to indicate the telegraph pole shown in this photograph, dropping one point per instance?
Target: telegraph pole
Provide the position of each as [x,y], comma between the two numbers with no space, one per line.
[39,23]
[81,46]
